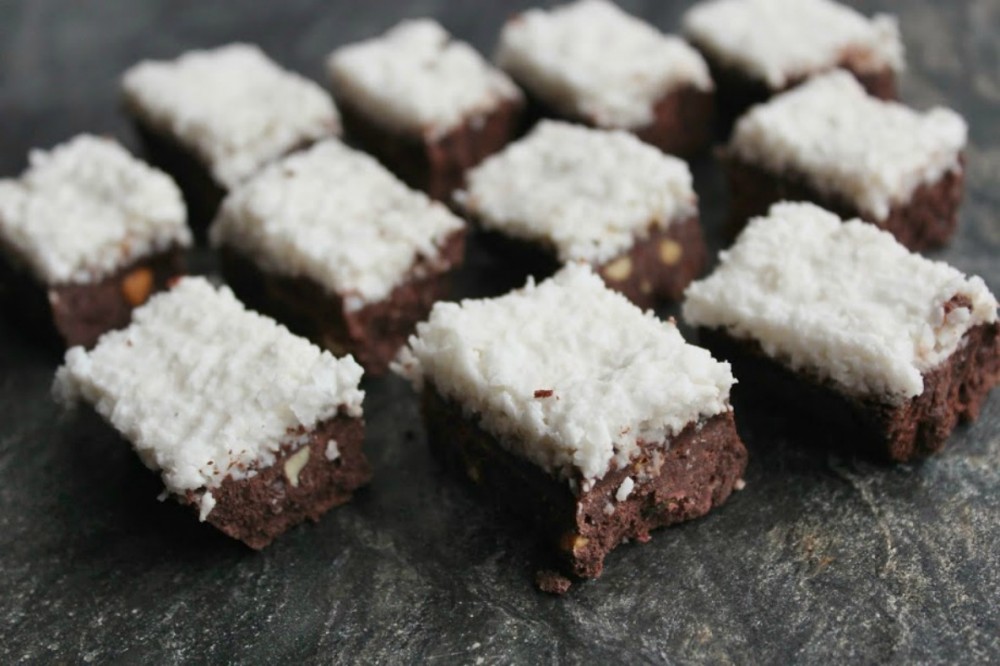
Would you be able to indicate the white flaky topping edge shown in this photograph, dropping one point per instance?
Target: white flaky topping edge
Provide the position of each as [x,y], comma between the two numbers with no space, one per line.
[416,79]
[339,218]
[87,208]
[591,60]
[567,373]
[780,41]
[587,193]
[868,152]
[843,301]
[205,389]
[232,107]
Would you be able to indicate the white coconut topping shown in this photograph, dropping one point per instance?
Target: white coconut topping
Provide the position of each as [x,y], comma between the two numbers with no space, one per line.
[332,451]
[780,41]
[87,208]
[567,373]
[205,389]
[417,79]
[232,107]
[589,194]
[870,153]
[591,60]
[625,489]
[338,217]
[841,300]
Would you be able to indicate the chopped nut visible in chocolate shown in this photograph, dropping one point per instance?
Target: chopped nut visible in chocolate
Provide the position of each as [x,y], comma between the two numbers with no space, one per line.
[670,251]
[294,465]
[137,285]
[552,582]
[618,270]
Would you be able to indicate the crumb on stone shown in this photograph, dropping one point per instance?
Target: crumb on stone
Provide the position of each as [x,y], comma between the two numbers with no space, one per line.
[552,582]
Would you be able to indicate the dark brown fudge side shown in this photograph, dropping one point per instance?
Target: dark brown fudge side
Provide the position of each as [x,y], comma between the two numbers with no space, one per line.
[953,392]
[260,508]
[436,165]
[696,472]
[70,314]
[372,334]
[927,221]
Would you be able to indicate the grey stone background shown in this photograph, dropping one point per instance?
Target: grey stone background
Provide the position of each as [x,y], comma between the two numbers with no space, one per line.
[821,559]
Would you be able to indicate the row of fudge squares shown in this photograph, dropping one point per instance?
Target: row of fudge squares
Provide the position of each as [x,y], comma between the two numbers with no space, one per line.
[567,405]
[430,107]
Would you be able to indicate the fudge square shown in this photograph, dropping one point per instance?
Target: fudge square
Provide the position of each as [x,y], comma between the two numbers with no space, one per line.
[570,193]
[829,143]
[212,118]
[252,427]
[332,244]
[589,62]
[567,404]
[86,234]
[428,106]
[756,48]
[839,323]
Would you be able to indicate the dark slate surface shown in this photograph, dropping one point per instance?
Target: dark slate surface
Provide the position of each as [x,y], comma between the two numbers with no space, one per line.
[821,558]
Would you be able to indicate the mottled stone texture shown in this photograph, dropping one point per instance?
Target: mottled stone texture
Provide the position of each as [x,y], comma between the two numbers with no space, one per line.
[820,559]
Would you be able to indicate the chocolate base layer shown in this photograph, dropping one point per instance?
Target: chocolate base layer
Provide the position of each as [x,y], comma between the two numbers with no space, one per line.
[654,270]
[683,120]
[928,220]
[437,165]
[686,480]
[953,392]
[70,314]
[737,91]
[372,334]
[298,486]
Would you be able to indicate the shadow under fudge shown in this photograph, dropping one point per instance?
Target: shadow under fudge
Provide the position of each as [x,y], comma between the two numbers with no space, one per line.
[677,482]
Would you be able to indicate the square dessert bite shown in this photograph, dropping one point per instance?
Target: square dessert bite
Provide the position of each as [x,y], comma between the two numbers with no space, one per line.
[838,323]
[428,106]
[757,48]
[332,244]
[87,233]
[590,62]
[829,143]
[570,406]
[254,428]
[570,193]
[212,118]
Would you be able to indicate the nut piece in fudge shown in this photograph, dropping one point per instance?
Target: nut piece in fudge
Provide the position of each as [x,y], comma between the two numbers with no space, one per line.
[577,411]
[235,413]
[213,118]
[837,323]
[568,193]
[829,143]
[590,62]
[426,105]
[87,233]
[757,48]
[330,243]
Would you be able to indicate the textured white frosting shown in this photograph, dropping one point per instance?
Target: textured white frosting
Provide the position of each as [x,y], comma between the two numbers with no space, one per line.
[232,106]
[205,389]
[871,153]
[417,79]
[87,208]
[618,376]
[587,193]
[778,41]
[842,300]
[591,60]
[338,217]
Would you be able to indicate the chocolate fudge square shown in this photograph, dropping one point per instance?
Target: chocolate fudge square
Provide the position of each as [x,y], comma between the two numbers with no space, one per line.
[829,143]
[252,427]
[568,193]
[213,118]
[837,324]
[585,416]
[758,48]
[426,105]
[589,62]
[87,233]
[333,245]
